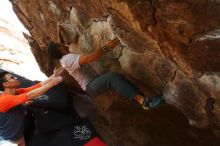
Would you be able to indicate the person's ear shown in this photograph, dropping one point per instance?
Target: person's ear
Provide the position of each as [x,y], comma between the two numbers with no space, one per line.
[6,84]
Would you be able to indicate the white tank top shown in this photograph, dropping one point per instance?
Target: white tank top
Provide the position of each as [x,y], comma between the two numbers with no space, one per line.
[83,74]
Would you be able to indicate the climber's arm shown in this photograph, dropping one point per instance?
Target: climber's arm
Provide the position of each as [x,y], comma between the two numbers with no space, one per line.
[88,58]
[59,36]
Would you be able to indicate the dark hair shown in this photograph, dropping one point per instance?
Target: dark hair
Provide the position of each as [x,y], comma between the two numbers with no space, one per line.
[53,50]
[2,80]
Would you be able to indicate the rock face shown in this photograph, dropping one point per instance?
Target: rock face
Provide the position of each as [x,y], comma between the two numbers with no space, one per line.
[167,46]
[12,58]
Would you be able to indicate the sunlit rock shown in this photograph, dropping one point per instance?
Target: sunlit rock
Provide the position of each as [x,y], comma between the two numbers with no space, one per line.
[164,44]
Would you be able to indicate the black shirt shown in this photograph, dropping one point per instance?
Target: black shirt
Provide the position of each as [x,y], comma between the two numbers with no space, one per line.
[12,123]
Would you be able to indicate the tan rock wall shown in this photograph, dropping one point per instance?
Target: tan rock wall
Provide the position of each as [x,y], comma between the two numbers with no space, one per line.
[168,46]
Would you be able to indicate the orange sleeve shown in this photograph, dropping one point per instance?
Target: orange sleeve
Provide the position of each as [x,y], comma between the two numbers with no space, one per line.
[9,101]
[25,90]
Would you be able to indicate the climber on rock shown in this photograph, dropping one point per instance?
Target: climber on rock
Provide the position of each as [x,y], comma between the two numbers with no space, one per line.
[12,100]
[78,66]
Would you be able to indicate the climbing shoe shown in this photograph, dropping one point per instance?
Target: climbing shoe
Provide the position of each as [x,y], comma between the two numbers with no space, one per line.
[152,102]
